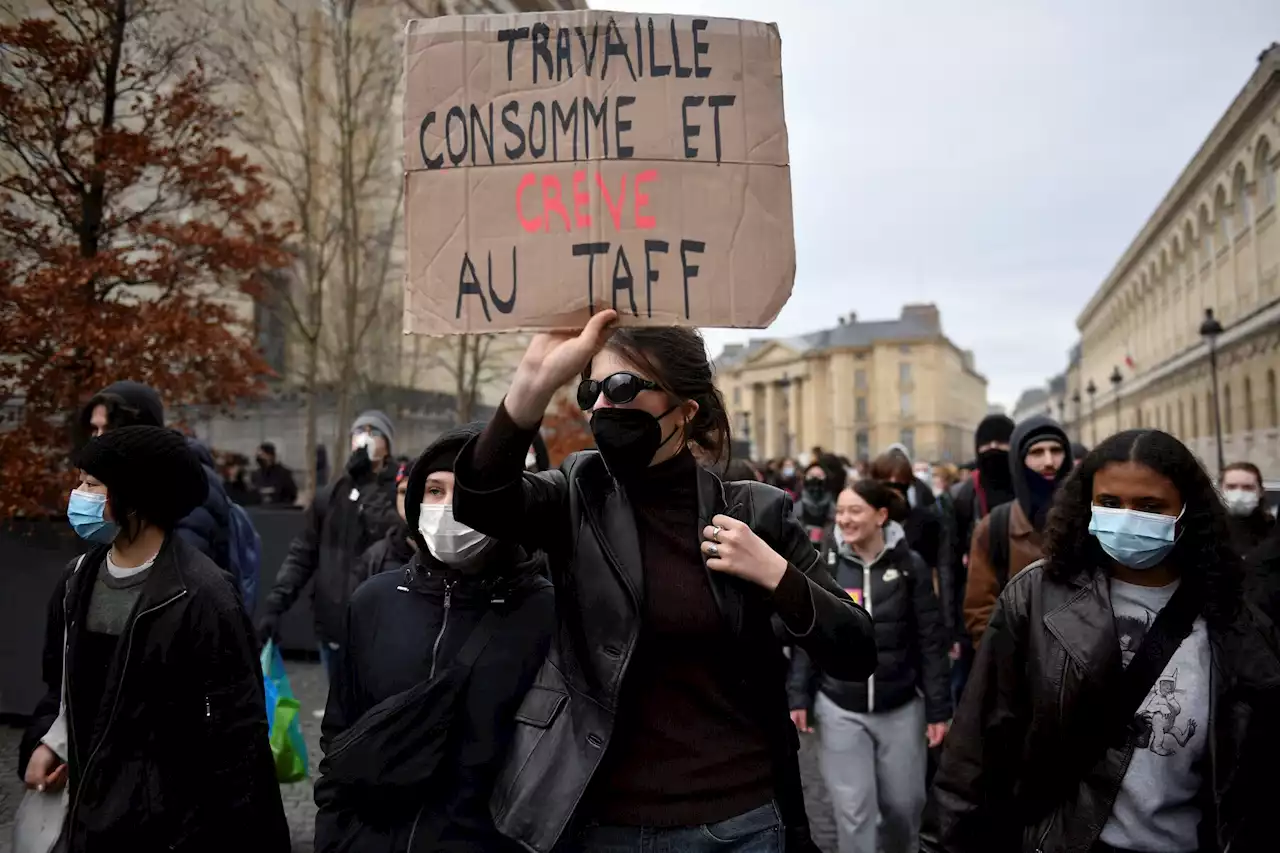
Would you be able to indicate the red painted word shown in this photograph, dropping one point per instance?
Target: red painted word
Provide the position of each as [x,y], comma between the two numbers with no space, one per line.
[554,201]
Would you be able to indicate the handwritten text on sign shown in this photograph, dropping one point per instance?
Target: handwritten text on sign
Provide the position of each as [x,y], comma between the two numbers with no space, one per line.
[643,158]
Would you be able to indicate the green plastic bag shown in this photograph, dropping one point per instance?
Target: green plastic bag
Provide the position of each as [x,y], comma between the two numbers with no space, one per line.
[287,746]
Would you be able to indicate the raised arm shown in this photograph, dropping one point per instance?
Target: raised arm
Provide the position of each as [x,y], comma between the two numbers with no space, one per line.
[492,492]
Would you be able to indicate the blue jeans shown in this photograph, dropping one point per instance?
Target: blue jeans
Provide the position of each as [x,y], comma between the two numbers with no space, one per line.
[757,831]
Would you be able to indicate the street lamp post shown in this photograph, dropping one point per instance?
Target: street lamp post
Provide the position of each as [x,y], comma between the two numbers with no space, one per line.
[1116,379]
[1092,391]
[1075,401]
[1209,330]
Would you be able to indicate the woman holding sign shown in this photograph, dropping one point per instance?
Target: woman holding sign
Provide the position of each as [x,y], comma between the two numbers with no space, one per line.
[661,710]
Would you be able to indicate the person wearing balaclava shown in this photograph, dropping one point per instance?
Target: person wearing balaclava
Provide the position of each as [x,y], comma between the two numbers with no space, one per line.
[1040,462]
[152,670]
[988,485]
[407,627]
[816,508]
[343,520]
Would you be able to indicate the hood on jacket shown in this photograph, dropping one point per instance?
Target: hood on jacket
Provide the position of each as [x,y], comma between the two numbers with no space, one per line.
[129,403]
[894,537]
[1033,493]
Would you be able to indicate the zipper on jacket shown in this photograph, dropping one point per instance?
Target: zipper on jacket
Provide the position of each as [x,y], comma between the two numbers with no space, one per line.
[444,623]
[866,599]
[115,705]
[1040,844]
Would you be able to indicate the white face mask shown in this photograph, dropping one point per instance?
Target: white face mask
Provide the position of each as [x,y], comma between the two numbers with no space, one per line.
[1240,502]
[530,461]
[449,541]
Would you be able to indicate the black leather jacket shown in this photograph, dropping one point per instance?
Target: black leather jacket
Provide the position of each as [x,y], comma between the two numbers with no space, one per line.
[583,521]
[1038,679]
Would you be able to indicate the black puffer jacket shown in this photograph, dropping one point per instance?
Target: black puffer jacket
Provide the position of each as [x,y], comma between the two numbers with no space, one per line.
[183,761]
[584,522]
[402,626]
[911,639]
[1041,673]
[345,518]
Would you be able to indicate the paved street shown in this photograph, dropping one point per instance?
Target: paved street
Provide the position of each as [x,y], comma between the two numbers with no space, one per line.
[309,684]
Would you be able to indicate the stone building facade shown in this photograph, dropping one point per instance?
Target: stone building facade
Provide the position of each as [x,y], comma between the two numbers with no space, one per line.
[1213,244]
[855,389]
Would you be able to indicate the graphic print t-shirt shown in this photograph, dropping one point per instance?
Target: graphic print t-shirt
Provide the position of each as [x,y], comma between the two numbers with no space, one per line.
[1156,810]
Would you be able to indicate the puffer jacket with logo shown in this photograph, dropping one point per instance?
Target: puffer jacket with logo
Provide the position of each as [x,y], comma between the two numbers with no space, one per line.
[1040,681]
[911,638]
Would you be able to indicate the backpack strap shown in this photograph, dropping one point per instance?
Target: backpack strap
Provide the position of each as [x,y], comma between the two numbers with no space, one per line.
[998,544]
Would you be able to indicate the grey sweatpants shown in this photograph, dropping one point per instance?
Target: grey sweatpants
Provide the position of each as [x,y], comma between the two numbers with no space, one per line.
[874,764]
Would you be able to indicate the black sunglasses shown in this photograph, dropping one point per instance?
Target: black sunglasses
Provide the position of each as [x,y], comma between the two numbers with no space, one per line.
[619,388]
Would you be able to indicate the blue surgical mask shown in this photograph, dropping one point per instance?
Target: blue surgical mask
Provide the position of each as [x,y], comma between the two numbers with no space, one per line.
[1138,540]
[85,514]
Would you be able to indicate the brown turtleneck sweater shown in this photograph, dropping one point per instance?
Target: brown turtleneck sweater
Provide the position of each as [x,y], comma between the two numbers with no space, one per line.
[686,747]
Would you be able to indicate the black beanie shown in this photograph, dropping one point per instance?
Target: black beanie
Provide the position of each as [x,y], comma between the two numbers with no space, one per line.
[147,469]
[993,428]
[439,456]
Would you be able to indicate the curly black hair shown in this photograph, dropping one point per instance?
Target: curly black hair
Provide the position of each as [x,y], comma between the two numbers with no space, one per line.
[1203,554]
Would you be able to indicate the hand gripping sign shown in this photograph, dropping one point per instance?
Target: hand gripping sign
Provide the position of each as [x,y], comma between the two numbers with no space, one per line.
[561,163]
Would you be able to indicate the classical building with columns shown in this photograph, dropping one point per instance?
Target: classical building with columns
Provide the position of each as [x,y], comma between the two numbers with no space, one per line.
[855,389]
[1212,245]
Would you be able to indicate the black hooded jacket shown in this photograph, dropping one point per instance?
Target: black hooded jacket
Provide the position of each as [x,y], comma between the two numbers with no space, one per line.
[404,626]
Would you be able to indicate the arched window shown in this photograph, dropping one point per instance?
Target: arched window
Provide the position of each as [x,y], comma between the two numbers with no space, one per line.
[1222,215]
[1182,422]
[1195,420]
[1273,415]
[1206,237]
[1244,213]
[1266,177]
[1227,427]
[1248,404]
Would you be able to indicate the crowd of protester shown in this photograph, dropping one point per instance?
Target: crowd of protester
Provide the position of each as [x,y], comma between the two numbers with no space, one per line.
[1049,649]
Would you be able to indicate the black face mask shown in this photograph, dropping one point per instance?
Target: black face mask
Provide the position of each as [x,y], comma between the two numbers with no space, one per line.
[627,439]
[997,480]
[902,488]
[815,488]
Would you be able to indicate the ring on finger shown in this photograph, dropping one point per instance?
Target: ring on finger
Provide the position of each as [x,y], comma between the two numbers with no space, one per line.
[715,532]
[713,550]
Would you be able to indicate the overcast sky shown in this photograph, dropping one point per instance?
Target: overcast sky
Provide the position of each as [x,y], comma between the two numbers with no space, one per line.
[995,158]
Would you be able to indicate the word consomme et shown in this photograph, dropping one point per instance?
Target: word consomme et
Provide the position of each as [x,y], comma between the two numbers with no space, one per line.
[561,163]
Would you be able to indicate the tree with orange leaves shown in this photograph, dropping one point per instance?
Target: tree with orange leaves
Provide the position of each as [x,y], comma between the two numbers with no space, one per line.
[125,223]
[565,431]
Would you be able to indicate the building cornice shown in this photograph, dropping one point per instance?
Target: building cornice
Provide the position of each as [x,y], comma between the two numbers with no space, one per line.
[1250,101]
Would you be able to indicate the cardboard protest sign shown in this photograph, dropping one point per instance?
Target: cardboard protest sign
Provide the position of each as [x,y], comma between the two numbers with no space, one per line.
[561,163]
